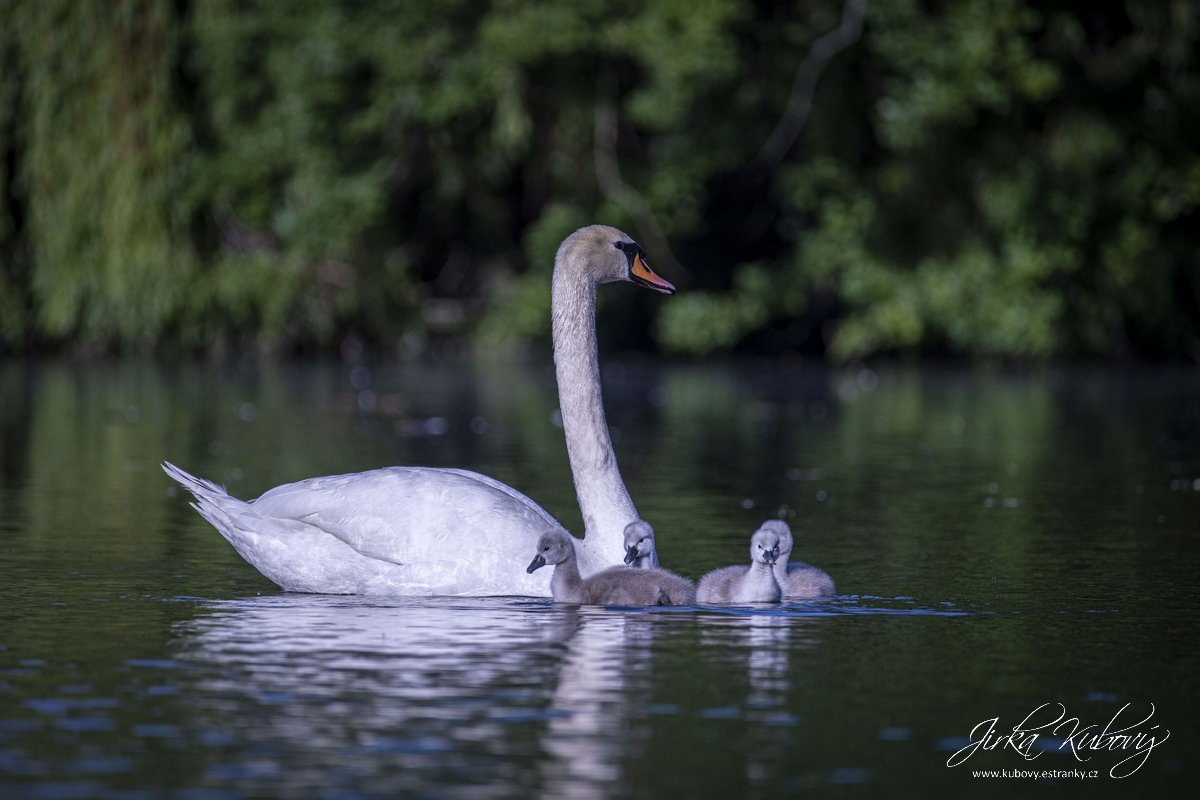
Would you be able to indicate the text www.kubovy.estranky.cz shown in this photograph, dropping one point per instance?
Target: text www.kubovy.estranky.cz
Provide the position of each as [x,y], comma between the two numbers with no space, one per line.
[1035,774]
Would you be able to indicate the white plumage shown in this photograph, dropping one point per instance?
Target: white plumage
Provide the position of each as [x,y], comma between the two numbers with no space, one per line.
[392,531]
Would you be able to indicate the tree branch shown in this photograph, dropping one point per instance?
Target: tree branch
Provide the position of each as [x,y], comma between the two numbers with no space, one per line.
[805,83]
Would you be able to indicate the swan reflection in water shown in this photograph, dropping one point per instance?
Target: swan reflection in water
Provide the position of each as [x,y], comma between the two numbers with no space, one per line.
[519,695]
[306,691]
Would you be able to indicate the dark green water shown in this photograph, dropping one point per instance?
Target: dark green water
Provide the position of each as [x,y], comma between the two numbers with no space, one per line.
[999,542]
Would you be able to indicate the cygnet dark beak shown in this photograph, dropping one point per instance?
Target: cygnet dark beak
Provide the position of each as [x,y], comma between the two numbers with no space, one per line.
[771,556]
[537,563]
[631,554]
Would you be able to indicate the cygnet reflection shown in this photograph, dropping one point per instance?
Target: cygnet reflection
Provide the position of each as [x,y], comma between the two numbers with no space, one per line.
[607,663]
[762,645]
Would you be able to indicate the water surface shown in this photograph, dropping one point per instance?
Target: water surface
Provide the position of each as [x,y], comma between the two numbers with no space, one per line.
[999,542]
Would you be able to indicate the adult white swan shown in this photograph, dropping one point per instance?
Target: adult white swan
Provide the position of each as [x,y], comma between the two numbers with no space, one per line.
[425,531]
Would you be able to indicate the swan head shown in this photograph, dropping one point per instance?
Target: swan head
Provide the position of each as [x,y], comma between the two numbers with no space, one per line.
[780,529]
[764,547]
[607,255]
[639,541]
[553,548]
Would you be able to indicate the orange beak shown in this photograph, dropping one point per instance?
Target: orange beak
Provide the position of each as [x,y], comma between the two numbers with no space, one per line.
[640,273]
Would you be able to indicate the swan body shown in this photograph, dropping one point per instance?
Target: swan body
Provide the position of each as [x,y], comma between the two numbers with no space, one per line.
[797,580]
[426,531]
[640,553]
[753,584]
[616,586]
[383,532]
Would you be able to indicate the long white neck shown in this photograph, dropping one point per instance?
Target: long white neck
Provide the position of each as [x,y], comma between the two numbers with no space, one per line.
[606,505]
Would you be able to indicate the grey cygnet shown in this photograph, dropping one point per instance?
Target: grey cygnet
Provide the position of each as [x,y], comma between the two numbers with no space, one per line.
[616,586]
[640,553]
[797,580]
[753,584]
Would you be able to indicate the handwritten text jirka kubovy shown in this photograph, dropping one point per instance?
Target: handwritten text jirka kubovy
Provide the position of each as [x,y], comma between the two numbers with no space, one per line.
[1133,741]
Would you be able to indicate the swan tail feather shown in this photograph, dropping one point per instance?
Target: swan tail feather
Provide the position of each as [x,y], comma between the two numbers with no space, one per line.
[197,486]
[224,512]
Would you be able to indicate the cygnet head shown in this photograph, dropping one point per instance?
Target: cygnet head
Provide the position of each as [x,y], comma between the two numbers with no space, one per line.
[553,548]
[780,529]
[764,547]
[639,541]
[607,255]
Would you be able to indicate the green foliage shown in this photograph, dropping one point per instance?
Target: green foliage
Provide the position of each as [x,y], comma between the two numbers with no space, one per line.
[700,322]
[522,307]
[1012,208]
[1004,178]
[13,262]
[1027,165]
[101,153]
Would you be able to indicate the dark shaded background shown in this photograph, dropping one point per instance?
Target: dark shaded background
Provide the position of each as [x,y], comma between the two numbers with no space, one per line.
[985,178]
